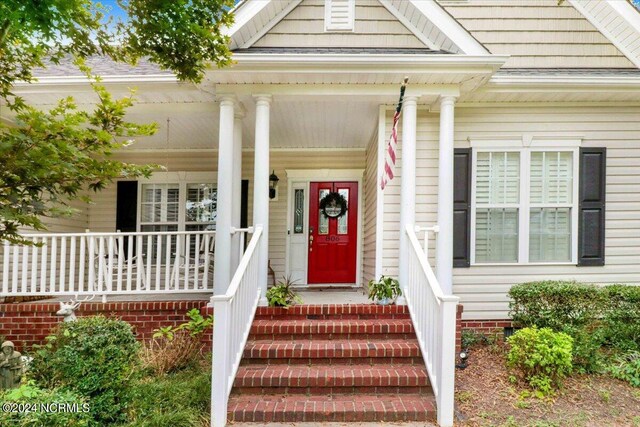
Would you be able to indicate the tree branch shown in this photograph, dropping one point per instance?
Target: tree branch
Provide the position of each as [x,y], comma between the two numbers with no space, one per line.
[4,30]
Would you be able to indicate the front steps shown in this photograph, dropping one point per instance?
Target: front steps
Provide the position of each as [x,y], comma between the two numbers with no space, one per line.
[322,363]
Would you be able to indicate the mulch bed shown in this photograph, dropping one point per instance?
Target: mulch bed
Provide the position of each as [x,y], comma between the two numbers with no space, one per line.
[485,397]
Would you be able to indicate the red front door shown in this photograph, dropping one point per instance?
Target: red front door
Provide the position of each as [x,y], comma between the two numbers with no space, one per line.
[333,241]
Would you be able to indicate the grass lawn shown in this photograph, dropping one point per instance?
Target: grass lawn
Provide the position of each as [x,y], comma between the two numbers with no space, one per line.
[486,397]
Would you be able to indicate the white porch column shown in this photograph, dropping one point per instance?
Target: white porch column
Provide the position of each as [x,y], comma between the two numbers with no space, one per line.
[222,270]
[408,181]
[261,187]
[237,188]
[444,246]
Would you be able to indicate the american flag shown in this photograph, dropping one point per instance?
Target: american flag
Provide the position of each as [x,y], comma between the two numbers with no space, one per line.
[392,146]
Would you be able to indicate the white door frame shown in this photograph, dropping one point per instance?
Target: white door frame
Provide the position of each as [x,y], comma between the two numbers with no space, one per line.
[305,177]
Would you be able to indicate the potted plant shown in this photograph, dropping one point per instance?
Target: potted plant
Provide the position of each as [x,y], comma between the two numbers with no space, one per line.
[282,295]
[384,291]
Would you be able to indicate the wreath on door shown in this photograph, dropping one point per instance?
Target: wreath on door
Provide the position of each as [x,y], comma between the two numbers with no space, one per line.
[333,205]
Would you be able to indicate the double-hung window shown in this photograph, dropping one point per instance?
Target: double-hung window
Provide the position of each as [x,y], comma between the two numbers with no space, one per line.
[178,202]
[524,206]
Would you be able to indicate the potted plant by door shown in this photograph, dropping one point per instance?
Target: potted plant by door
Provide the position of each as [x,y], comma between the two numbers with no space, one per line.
[384,291]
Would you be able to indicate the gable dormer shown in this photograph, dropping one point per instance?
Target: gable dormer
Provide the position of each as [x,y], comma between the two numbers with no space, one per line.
[339,15]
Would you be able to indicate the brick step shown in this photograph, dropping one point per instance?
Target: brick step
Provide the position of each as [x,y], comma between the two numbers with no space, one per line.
[364,408]
[331,349]
[337,361]
[331,376]
[263,329]
[334,311]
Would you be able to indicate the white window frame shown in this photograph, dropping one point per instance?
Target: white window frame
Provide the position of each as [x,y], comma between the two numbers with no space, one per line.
[180,178]
[525,147]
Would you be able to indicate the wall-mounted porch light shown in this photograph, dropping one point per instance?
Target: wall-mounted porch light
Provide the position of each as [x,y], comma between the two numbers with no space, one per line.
[273,185]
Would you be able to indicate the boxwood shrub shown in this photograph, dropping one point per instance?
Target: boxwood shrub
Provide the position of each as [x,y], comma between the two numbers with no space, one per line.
[94,357]
[594,316]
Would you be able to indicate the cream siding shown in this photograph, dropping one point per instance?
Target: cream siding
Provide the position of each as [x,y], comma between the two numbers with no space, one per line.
[537,33]
[375,26]
[103,211]
[483,289]
[370,209]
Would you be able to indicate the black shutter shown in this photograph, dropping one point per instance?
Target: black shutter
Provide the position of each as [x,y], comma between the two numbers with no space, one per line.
[244,203]
[462,207]
[591,224]
[126,210]
[126,206]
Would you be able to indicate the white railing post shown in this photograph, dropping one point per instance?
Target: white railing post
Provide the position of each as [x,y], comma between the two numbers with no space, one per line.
[220,363]
[447,360]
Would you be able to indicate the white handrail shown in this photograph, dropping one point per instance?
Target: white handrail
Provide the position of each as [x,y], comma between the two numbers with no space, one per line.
[233,314]
[434,319]
[104,264]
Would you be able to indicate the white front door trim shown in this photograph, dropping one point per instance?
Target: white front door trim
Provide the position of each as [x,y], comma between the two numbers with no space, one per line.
[301,178]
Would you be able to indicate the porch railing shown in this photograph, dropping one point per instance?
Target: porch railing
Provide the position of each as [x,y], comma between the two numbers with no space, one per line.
[109,264]
[434,319]
[233,314]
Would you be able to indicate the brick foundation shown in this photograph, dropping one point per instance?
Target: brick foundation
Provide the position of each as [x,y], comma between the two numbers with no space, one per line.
[29,323]
[487,327]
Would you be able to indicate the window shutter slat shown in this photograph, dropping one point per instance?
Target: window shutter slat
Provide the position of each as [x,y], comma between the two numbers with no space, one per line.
[462,208]
[591,223]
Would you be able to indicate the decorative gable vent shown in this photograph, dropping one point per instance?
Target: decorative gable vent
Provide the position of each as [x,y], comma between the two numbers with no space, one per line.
[339,15]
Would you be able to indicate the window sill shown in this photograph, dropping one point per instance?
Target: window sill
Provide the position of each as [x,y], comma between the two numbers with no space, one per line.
[519,264]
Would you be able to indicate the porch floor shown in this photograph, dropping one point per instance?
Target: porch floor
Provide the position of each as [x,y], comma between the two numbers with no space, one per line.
[309,296]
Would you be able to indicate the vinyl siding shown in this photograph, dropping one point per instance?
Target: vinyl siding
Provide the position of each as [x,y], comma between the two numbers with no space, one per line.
[375,26]
[370,210]
[102,212]
[483,289]
[537,33]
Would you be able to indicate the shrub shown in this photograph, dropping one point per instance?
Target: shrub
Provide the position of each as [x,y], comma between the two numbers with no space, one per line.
[77,415]
[555,305]
[627,368]
[621,320]
[163,355]
[542,356]
[94,357]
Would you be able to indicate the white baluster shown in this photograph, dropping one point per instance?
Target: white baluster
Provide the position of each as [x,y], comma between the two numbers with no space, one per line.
[92,267]
[120,258]
[34,266]
[63,263]
[196,260]
[158,260]
[187,253]
[149,256]
[5,267]
[167,264]
[25,268]
[130,244]
[82,262]
[101,262]
[43,265]
[53,265]
[72,264]
[14,266]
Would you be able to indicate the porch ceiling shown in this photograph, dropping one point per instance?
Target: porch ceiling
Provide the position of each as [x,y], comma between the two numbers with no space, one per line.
[301,121]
